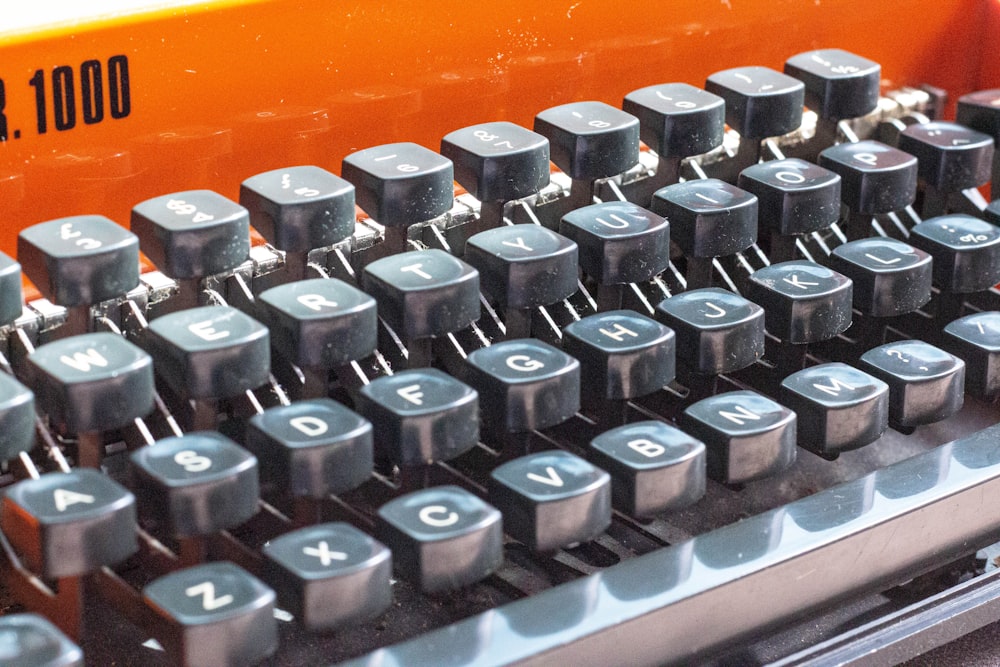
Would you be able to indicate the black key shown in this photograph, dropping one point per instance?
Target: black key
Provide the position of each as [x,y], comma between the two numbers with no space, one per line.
[875,178]
[77,380]
[212,614]
[195,484]
[677,120]
[975,339]
[793,196]
[442,538]
[618,242]
[838,83]
[79,261]
[760,102]
[590,140]
[708,217]
[966,251]
[209,352]
[498,162]
[29,640]
[552,500]
[401,184]
[950,157]
[803,302]
[654,467]
[69,524]
[424,293]
[890,277]
[299,208]
[839,408]
[320,323]
[622,354]
[522,267]
[717,331]
[980,111]
[420,416]
[311,449]
[523,385]
[11,293]
[17,418]
[193,234]
[992,212]
[926,384]
[329,576]
[748,436]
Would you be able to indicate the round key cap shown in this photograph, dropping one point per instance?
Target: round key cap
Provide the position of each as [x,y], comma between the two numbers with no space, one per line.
[975,339]
[677,120]
[875,178]
[424,293]
[69,524]
[80,261]
[839,408]
[618,242]
[748,436]
[950,157]
[329,576]
[209,352]
[966,251]
[760,102]
[311,449]
[523,384]
[590,140]
[793,196]
[320,323]
[17,418]
[11,294]
[498,161]
[212,614]
[195,484]
[717,331]
[803,302]
[980,111]
[622,354]
[299,208]
[76,379]
[193,234]
[442,538]
[400,184]
[421,416]
[552,500]
[839,84]
[926,384]
[654,467]
[29,640]
[890,277]
[708,217]
[524,266]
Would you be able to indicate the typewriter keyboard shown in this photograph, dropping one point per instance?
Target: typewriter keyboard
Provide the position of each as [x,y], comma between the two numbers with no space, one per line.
[704,374]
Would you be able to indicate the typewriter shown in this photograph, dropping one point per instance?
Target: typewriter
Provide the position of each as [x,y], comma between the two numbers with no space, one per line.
[530,333]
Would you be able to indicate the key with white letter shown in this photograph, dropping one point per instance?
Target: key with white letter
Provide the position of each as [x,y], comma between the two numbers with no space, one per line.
[442,538]
[212,614]
[552,499]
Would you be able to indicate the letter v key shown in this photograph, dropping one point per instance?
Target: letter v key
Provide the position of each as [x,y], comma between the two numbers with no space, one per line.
[551,477]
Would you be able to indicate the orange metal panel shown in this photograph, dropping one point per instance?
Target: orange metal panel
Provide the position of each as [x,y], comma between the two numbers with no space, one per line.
[220,91]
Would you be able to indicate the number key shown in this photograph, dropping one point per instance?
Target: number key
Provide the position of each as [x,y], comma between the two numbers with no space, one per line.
[838,84]
[677,120]
[498,161]
[590,140]
[193,234]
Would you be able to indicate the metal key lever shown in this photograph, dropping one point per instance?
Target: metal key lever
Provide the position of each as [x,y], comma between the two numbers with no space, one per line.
[870,533]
